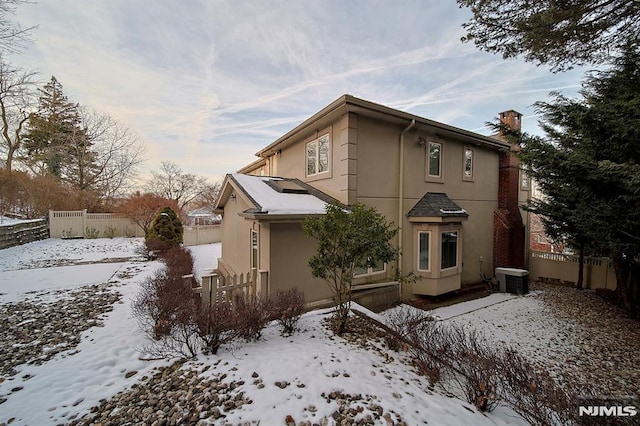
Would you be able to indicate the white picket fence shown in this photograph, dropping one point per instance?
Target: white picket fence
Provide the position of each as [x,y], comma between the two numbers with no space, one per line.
[217,288]
[79,224]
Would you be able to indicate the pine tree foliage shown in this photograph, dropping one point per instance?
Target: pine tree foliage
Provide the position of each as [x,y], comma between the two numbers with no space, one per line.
[52,131]
[166,231]
[81,147]
[347,240]
[559,33]
[588,165]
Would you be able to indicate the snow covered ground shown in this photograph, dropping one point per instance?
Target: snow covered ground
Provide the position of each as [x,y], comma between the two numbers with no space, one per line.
[295,372]
[307,376]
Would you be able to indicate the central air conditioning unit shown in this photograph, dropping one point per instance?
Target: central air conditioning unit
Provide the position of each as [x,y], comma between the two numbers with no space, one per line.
[513,280]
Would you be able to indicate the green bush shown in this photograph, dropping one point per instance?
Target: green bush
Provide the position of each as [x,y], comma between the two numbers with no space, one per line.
[166,231]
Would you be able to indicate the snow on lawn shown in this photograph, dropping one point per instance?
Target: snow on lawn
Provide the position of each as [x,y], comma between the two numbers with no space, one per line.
[308,364]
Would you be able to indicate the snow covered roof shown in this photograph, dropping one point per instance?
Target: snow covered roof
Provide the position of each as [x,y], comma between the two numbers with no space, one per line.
[281,196]
[205,212]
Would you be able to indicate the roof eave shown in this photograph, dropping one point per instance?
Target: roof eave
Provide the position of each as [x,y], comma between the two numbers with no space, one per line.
[348,103]
[279,217]
[437,219]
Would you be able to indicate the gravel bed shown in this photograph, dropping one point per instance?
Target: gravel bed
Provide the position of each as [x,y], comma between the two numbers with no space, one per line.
[194,394]
[172,396]
[605,354]
[34,330]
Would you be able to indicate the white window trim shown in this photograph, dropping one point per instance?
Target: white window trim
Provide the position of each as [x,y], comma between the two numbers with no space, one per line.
[439,175]
[428,248]
[371,272]
[255,247]
[316,142]
[457,232]
[427,162]
[464,163]
[524,180]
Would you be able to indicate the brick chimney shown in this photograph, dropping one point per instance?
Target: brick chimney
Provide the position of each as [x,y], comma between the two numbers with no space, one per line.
[508,229]
[511,118]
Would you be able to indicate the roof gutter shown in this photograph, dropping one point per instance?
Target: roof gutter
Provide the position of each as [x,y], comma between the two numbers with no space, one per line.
[401,199]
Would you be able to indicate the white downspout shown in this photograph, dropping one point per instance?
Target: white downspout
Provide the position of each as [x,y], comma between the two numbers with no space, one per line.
[401,200]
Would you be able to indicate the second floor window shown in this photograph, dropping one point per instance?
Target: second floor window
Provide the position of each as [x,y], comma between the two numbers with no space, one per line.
[434,159]
[318,156]
[468,163]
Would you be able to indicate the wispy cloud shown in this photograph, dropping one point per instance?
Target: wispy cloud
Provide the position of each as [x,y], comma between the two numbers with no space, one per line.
[207,83]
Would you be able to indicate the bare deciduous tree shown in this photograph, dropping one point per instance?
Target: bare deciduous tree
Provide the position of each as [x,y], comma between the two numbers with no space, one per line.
[16,101]
[12,34]
[143,208]
[208,196]
[111,154]
[172,183]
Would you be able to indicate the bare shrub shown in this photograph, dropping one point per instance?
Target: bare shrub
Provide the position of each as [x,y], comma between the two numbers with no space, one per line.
[484,373]
[145,307]
[253,314]
[287,306]
[182,341]
[91,233]
[167,311]
[110,232]
[477,366]
[217,325]
[153,248]
[534,394]
[178,260]
[417,333]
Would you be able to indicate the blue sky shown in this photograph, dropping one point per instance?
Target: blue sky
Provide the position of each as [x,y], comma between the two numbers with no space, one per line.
[207,83]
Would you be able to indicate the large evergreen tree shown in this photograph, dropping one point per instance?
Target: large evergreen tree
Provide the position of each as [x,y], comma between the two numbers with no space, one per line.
[558,33]
[588,165]
[53,132]
[86,149]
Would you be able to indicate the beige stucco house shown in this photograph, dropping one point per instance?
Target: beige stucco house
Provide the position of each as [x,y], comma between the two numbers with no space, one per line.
[452,193]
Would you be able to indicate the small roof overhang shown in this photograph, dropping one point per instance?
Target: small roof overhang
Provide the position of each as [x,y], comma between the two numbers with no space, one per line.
[436,207]
[274,198]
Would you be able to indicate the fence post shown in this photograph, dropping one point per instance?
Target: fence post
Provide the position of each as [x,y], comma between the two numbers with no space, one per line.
[84,222]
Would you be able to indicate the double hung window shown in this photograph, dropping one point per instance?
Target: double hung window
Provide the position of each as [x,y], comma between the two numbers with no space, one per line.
[317,155]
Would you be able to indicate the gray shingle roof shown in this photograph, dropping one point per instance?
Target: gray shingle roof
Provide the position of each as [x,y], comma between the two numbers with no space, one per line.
[437,204]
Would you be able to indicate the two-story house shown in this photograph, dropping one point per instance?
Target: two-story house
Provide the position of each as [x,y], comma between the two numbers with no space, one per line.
[452,193]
